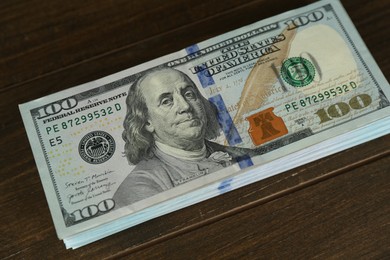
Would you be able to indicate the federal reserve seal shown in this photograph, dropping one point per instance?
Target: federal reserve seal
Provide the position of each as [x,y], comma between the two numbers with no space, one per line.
[297,71]
[97,147]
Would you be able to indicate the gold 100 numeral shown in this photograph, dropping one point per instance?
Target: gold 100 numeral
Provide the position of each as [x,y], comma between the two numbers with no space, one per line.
[341,109]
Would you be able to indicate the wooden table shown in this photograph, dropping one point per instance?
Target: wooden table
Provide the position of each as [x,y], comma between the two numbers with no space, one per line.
[336,207]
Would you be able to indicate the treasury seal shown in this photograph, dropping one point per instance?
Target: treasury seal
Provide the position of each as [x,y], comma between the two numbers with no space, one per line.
[97,147]
[297,71]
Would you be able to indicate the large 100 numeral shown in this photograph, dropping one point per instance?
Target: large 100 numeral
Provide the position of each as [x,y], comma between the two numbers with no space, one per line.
[92,210]
[341,108]
[304,20]
[55,108]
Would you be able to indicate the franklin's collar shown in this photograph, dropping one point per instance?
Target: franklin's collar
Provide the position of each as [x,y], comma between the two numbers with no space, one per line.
[195,155]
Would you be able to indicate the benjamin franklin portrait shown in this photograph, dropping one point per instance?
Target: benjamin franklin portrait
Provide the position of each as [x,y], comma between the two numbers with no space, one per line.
[167,133]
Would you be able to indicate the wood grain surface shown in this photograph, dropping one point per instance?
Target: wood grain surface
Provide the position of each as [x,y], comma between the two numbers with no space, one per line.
[336,207]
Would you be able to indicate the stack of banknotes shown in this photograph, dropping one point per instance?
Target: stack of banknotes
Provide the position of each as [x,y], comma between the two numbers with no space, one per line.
[213,117]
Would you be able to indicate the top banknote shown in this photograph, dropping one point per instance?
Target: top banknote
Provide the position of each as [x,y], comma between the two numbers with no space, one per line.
[203,116]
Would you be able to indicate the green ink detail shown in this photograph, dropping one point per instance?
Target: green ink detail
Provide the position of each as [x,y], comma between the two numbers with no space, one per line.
[297,71]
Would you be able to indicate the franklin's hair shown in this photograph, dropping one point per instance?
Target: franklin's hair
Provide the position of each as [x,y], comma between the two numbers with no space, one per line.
[138,141]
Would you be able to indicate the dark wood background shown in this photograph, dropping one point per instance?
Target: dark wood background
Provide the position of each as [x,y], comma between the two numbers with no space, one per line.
[336,207]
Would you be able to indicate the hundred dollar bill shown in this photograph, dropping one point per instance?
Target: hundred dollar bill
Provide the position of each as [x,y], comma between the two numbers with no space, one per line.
[212,117]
